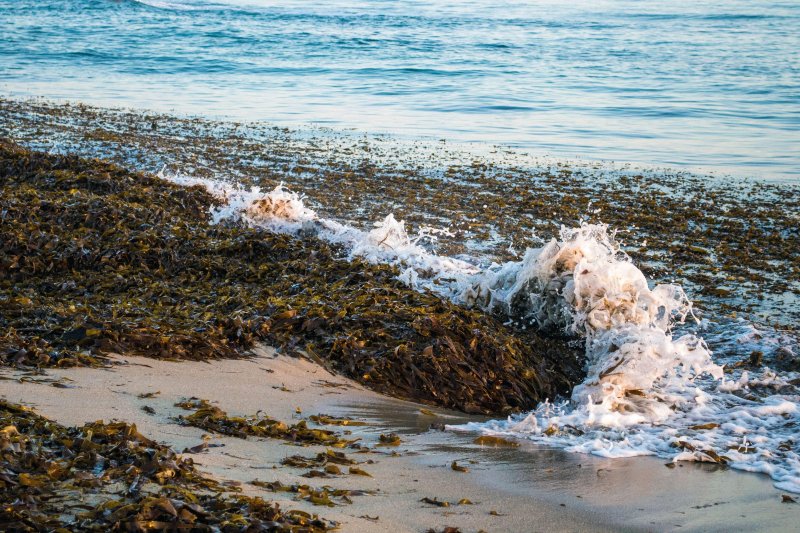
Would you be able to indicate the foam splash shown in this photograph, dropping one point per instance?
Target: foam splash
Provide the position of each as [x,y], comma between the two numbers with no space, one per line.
[583,284]
[647,390]
[748,426]
[278,210]
[284,211]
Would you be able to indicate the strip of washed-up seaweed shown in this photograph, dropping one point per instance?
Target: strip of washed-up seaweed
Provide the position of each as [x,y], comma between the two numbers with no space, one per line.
[103,477]
[212,418]
[95,259]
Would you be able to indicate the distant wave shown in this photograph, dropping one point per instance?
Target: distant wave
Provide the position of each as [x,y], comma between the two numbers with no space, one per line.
[195,5]
[162,5]
[174,5]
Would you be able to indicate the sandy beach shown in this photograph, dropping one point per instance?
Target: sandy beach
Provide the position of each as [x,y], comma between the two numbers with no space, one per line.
[530,488]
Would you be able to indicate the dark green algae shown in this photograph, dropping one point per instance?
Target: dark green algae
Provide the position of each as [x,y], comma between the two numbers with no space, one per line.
[96,260]
[109,477]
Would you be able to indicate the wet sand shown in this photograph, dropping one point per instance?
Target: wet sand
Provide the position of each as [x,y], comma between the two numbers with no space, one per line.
[530,488]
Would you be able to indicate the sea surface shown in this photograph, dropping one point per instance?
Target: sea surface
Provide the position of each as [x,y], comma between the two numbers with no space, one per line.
[709,86]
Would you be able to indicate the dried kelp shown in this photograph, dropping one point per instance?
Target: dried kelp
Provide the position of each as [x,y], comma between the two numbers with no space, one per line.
[498,442]
[435,501]
[392,439]
[95,259]
[458,468]
[108,476]
[327,420]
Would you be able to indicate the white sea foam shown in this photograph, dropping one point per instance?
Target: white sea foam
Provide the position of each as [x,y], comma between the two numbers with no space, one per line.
[648,391]
[388,241]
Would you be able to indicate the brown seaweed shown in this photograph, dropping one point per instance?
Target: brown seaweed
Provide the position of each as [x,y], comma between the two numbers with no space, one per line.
[435,501]
[317,496]
[101,477]
[327,420]
[458,468]
[214,419]
[491,440]
[392,439]
[322,459]
[95,259]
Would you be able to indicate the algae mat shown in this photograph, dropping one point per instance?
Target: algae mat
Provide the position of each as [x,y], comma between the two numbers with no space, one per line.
[95,259]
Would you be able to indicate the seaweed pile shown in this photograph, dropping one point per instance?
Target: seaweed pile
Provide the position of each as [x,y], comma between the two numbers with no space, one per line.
[95,259]
[103,477]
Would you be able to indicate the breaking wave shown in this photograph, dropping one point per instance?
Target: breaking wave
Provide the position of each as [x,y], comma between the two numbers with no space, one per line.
[648,390]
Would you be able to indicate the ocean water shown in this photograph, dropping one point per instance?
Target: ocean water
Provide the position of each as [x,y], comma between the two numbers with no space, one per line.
[711,86]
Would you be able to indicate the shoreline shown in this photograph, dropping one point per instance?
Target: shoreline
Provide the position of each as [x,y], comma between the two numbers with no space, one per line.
[529,474]
[726,258]
[526,486]
[522,154]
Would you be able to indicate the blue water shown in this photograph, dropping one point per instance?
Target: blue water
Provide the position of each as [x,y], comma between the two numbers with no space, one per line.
[701,85]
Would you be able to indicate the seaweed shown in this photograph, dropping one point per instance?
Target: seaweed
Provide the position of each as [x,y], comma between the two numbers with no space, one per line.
[327,420]
[326,458]
[392,439]
[101,477]
[213,418]
[458,468]
[95,260]
[435,501]
[498,442]
[358,471]
[317,496]
[732,242]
